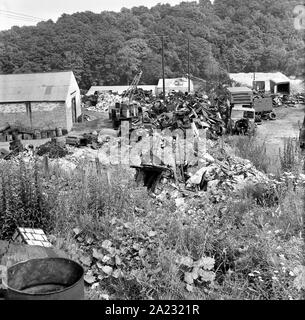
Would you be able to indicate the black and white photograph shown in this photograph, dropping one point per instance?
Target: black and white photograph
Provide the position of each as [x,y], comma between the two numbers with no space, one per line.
[152,153]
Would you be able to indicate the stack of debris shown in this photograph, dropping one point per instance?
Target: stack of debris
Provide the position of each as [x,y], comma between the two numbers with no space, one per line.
[182,111]
[287,100]
[53,149]
[140,95]
[104,101]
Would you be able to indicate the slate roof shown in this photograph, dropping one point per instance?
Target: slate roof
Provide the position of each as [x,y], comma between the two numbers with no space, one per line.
[47,86]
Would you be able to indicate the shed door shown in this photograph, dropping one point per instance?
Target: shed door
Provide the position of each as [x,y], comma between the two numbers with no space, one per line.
[73,105]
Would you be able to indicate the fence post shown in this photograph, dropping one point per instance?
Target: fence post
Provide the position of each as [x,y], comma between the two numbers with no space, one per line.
[46,166]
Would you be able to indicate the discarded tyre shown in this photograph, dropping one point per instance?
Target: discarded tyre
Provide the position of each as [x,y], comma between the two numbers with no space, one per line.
[258,118]
[265,116]
[272,116]
[45,279]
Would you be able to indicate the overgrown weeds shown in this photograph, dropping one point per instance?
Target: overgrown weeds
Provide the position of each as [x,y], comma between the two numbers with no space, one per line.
[249,147]
[252,243]
[291,158]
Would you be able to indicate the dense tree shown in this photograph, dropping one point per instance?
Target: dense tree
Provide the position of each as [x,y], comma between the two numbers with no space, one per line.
[109,48]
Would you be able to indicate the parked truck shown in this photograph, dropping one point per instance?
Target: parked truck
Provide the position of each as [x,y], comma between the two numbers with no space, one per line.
[263,106]
[240,111]
[242,121]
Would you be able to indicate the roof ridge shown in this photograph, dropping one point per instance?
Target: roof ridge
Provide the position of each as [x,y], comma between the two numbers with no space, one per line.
[18,74]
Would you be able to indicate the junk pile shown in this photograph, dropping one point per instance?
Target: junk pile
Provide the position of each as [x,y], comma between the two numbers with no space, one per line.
[102,101]
[53,149]
[172,168]
[182,111]
[287,100]
[8,131]
[179,111]
[141,95]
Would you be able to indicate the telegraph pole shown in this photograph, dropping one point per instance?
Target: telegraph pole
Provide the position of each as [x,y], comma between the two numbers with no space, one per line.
[163,65]
[163,71]
[188,66]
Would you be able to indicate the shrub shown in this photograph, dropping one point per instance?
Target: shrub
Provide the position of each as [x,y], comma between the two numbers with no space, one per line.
[291,157]
[24,201]
[248,147]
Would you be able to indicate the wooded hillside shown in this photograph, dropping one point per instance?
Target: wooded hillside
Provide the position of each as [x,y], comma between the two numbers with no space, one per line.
[107,48]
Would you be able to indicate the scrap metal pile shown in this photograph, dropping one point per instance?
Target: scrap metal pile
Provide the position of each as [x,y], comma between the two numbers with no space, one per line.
[287,100]
[141,95]
[181,111]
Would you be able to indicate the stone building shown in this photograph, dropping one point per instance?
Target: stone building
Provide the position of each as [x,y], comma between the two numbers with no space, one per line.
[43,101]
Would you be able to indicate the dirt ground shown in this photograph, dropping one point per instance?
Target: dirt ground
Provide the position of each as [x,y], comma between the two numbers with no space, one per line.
[285,126]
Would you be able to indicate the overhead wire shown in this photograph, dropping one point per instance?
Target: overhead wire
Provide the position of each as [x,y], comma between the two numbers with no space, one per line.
[18,16]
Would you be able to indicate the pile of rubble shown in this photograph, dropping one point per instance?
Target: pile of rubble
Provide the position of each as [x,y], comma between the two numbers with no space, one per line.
[287,100]
[164,165]
[104,101]
[183,112]
[53,149]
[141,95]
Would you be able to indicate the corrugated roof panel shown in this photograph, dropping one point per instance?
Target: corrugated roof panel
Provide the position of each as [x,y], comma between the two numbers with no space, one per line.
[239,89]
[248,78]
[119,89]
[48,86]
[175,82]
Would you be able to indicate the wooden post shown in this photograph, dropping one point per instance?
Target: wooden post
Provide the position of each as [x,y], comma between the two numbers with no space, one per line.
[46,166]
[98,167]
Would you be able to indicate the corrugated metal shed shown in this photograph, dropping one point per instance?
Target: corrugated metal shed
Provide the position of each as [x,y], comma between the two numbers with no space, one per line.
[248,78]
[239,89]
[297,86]
[175,84]
[48,86]
[118,89]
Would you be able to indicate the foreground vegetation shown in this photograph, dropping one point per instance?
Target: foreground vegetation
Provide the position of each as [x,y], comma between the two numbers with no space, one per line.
[250,247]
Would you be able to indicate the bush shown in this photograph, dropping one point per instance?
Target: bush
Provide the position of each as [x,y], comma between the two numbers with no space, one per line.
[248,147]
[24,200]
[246,237]
[291,156]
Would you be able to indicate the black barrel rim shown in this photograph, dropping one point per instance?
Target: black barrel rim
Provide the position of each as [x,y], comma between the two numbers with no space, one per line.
[47,293]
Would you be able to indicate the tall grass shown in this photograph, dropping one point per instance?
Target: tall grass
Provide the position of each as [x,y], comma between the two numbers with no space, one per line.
[23,198]
[249,147]
[243,235]
[291,158]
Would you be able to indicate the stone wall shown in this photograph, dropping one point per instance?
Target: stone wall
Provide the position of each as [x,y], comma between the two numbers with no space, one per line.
[44,115]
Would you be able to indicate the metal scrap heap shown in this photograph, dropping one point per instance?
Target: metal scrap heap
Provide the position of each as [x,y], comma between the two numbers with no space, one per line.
[182,111]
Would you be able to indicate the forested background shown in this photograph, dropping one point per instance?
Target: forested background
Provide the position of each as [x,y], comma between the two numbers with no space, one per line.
[108,48]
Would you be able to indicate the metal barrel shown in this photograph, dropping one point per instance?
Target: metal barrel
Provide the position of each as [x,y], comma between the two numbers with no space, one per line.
[45,279]
[58,132]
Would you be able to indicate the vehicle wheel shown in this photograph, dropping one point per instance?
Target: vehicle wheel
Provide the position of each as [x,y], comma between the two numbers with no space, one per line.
[258,118]
[265,116]
[272,116]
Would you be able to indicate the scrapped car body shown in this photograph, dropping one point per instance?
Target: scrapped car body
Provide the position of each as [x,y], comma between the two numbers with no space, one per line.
[242,120]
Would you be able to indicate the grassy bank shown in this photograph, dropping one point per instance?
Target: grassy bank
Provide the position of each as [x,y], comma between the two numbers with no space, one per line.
[250,247]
